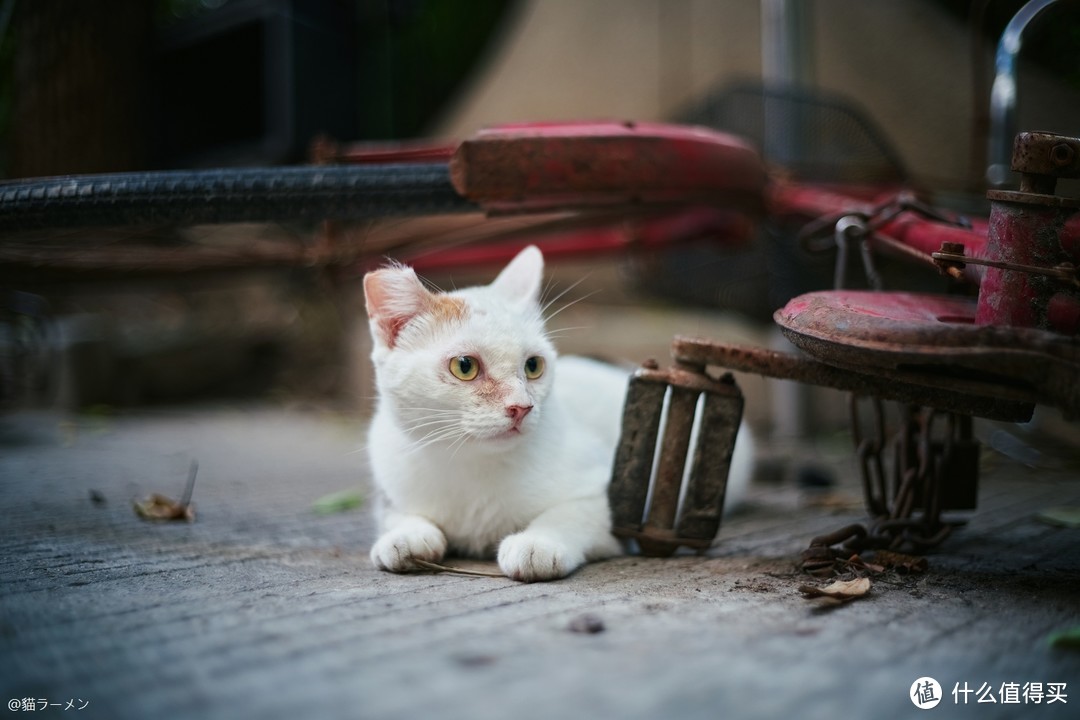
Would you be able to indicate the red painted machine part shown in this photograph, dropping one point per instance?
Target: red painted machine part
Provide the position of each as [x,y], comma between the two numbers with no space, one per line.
[1028,234]
[717,178]
[559,166]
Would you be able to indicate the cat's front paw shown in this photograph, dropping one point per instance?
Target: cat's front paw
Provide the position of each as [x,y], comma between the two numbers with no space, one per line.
[396,549]
[530,558]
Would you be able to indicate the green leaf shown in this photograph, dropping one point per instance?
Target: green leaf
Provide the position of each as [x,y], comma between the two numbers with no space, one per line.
[1066,516]
[338,502]
[1069,638]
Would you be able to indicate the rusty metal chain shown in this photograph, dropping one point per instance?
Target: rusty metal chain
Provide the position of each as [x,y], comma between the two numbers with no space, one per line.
[905,506]
[854,229]
[839,230]
[819,235]
[868,451]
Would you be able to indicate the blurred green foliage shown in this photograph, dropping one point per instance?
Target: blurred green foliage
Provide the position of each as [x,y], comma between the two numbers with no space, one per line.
[415,55]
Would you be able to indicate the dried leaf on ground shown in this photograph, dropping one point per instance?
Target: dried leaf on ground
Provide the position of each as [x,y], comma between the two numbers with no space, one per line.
[841,591]
[901,562]
[159,507]
[856,562]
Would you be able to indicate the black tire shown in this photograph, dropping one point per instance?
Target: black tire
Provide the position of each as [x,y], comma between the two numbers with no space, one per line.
[193,197]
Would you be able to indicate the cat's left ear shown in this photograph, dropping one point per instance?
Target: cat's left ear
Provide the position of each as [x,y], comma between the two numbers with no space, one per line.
[394,296]
[520,281]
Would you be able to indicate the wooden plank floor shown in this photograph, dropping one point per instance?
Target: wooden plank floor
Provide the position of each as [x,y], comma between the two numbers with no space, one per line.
[263,609]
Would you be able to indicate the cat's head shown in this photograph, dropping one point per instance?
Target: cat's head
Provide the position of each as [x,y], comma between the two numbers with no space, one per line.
[465,368]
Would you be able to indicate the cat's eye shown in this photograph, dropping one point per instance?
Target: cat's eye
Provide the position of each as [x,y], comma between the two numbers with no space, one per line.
[465,367]
[534,367]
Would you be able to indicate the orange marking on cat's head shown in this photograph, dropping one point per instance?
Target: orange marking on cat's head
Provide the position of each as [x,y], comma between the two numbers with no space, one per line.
[445,309]
[436,311]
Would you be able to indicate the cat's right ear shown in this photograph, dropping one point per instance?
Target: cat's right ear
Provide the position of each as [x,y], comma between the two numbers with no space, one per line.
[394,296]
[520,281]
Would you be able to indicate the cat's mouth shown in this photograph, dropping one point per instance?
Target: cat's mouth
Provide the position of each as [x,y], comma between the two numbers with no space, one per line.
[508,435]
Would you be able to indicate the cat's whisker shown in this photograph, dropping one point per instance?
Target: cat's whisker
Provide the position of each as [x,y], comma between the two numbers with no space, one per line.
[571,304]
[441,423]
[418,448]
[435,436]
[549,285]
[417,408]
[428,413]
[562,332]
[444,430]
[439,415]
[552,301]
[458,444]
[424,415]
[430,285]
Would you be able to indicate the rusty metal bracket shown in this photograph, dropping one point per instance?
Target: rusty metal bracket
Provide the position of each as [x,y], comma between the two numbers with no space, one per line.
[672,495]
[930,473]
[944,392]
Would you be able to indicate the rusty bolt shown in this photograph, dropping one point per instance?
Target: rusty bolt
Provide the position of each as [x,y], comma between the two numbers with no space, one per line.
[952,268]
[1062,154]
[1045,154]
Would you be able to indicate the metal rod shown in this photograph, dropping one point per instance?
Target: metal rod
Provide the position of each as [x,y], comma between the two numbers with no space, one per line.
[953,394]
[1003,94]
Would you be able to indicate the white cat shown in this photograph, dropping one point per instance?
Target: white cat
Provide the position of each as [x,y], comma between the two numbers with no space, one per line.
[485,442]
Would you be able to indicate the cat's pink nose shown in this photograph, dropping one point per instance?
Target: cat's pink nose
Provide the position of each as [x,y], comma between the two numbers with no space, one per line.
[517,413]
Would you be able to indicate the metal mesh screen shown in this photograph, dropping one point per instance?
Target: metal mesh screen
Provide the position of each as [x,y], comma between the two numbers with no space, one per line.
[815,136]
[806,136]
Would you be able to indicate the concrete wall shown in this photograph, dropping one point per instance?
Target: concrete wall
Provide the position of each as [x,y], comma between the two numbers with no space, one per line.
[634,59]
[906,62]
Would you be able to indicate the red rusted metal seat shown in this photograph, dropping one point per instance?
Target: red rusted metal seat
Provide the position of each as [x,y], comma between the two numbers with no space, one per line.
[933,338]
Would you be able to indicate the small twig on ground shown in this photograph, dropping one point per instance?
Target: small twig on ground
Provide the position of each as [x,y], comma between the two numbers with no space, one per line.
[193,471]
[435,567]
[160,507]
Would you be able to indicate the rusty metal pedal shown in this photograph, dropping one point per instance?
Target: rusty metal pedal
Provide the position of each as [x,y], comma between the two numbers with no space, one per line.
[671,495]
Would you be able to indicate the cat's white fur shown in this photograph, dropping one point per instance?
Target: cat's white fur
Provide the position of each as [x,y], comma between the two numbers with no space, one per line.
[453,468]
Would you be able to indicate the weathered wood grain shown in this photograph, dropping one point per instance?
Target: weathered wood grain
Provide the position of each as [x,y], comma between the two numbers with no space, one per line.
[263,609]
